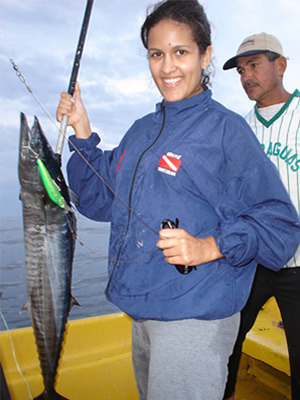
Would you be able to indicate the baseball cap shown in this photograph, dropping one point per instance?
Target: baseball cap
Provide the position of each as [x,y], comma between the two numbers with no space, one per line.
[255,44]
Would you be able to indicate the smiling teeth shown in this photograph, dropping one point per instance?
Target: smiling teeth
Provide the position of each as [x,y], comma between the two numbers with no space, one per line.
[172,80]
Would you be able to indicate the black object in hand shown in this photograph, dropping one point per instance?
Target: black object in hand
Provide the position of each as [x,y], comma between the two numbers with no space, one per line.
[168,224]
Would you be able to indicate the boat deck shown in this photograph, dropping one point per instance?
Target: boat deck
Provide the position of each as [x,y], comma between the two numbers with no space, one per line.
[96,361]
[264,372]
[258,381]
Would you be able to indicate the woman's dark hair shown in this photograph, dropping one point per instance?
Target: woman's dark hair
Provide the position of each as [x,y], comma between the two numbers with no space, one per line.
[189,12]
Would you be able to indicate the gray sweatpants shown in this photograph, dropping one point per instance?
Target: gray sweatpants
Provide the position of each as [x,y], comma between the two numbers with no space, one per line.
[182,360]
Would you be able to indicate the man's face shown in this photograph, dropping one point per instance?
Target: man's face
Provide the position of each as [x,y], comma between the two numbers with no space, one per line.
[261,78]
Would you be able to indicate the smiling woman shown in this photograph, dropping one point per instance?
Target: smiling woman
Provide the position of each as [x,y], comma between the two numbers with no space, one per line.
[200,163]
[175,60]
[196,161]
[179,50]
[111,76]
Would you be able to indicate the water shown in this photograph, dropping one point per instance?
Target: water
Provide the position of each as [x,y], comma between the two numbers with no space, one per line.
[89,271]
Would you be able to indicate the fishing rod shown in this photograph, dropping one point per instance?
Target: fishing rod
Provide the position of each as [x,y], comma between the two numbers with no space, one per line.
[74,74]
[65,118]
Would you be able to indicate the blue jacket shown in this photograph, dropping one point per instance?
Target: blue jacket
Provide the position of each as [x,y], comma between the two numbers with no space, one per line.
[204,166]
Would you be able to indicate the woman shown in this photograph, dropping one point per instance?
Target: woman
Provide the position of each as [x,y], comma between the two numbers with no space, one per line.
[195,161]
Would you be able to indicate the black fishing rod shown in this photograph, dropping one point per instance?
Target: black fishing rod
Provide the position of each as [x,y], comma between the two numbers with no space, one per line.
[75,70]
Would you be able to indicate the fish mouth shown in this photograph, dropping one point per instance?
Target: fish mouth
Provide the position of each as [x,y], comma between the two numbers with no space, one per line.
[25,132]
[26,153]
[29,176]
[35,151]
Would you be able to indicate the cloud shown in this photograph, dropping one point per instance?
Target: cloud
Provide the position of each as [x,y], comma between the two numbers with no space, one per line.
[132,86]
[116,85]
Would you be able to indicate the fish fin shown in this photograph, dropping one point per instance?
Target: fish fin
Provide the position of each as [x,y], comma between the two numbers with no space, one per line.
[74,302]
[50,396]
[25,307]
[74,197]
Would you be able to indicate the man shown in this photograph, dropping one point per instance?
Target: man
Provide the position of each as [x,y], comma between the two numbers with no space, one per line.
[275,120]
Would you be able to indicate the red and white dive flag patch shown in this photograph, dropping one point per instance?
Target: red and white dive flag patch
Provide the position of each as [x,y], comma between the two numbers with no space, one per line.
[169,164]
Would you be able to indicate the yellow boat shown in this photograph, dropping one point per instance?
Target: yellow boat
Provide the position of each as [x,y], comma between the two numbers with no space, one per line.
[96,360]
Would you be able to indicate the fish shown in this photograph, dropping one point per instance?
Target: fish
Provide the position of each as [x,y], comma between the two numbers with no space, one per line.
[49,236]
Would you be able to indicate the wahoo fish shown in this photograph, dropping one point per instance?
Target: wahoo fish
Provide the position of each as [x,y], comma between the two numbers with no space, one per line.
[49,235]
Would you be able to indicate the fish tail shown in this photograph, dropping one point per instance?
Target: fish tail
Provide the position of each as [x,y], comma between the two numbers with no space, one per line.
[53,395]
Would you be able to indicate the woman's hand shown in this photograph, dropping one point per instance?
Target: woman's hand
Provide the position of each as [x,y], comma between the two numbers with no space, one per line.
[181,248]
[73,107]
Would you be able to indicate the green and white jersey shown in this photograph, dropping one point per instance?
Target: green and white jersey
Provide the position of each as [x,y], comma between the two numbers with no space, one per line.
[280,139]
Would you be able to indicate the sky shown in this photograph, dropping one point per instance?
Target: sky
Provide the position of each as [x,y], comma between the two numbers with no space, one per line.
[41,36]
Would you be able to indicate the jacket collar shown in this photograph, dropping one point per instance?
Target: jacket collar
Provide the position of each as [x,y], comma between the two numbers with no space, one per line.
[172,108]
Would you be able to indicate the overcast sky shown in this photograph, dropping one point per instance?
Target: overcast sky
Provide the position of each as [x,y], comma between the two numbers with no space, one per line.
[42,36]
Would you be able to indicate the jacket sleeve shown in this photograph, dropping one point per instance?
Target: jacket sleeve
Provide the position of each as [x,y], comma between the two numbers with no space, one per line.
[258,219]
[90,176]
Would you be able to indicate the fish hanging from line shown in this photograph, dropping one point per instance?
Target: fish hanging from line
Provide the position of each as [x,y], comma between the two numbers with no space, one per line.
[49,235]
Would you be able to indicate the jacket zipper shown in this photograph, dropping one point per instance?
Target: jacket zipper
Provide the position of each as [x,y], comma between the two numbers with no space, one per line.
[131,191]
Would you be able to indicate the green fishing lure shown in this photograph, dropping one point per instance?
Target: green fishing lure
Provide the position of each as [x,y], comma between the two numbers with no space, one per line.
[50,186]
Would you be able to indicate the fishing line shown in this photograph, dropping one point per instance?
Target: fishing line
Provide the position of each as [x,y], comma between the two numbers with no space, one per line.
[122,202]
[107,258]
[75,236]
[110,188]
[23,80]
[14,355]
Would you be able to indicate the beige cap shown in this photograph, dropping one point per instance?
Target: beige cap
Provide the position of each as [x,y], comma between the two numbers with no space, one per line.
[255,44]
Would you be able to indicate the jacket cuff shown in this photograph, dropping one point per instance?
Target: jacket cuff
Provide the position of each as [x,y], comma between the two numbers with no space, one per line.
[82,144]
[237,243]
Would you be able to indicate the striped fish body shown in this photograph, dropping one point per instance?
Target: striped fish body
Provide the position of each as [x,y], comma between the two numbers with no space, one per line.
[49,233]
